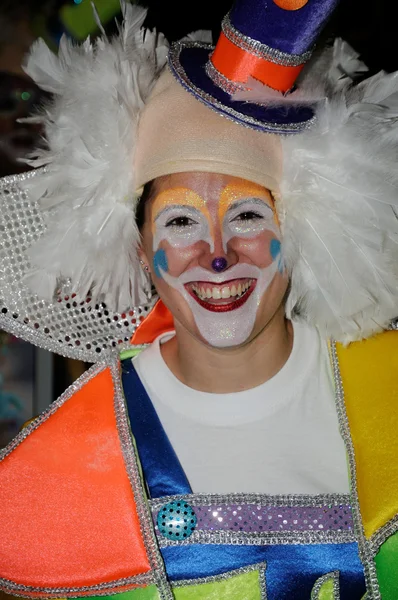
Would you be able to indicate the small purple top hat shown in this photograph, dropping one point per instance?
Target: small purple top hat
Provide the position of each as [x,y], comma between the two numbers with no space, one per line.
[268,40]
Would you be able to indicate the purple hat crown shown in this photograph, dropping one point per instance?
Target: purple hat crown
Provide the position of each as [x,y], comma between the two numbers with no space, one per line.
[267,41]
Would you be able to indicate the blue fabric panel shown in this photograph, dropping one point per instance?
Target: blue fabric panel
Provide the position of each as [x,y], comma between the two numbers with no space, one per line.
[291,573]
[162,469]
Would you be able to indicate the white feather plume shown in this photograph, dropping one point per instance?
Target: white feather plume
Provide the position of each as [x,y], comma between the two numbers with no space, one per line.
[88,191]
[339,207]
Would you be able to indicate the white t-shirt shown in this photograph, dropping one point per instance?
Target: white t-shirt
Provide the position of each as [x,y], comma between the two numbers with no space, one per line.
[281,437]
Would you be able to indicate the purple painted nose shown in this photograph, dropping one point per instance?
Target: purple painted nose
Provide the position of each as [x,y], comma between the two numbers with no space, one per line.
[219,264]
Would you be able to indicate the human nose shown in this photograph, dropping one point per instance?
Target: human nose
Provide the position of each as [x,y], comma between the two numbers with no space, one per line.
[219,258]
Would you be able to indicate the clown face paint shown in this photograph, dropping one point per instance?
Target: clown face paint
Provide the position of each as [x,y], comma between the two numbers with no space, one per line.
[189,231]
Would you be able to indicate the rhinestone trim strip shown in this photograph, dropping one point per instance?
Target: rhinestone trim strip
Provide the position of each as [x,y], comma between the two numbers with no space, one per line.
[334,575]
[262,539]
[132,468]
[260,567]
[365,551]
[261,50]
[228,86]
[102,589]
[383,534]
[225,111]
[316,500]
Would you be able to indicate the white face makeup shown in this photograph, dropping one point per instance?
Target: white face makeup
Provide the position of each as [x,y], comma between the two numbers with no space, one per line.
[224,305]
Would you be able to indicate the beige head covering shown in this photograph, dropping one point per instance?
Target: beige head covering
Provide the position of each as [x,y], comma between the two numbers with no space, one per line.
[177,133]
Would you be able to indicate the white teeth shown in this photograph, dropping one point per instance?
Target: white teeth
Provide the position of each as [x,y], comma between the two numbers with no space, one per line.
[205,293]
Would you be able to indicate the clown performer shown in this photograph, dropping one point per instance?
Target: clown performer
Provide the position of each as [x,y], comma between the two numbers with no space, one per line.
[216,229]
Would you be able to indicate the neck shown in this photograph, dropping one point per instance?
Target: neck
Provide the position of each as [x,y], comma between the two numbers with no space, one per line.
[222,371]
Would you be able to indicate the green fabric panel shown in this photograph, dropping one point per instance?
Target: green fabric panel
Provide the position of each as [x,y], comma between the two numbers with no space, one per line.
[245,586]
[147,593]
[387,568]
[130,353]
[326,591]
[79,18]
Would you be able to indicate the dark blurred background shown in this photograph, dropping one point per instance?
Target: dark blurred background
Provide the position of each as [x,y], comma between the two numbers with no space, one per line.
[30,379]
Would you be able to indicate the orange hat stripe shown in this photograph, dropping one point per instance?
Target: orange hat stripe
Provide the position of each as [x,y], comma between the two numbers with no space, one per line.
[238,65]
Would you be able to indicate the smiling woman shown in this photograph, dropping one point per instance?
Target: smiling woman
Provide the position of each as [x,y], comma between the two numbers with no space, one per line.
[213,245]
[206,457]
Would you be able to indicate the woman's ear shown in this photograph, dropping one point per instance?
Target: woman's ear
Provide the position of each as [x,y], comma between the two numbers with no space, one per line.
[144,262]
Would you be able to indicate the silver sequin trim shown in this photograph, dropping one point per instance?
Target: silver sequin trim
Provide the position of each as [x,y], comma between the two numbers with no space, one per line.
[267,538]
[102,589]
[316,500]
[394,324]
[258,538]
[260,567]
[365,550]
[81,330]
[319,583]
[225,111]
[262,50]
[383,534]
[228,86]
[144,514]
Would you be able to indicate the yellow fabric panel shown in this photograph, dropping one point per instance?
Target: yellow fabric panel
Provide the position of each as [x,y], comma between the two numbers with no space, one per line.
[369,371]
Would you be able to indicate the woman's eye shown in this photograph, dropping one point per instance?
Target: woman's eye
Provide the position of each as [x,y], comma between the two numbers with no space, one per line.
[248,215]
[180,222]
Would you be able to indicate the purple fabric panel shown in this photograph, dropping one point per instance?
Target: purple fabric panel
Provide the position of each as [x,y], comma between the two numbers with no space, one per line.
[292,31]
[252,518]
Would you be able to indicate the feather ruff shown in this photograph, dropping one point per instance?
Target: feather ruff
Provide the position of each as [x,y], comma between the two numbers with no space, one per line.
[339,205]
[88,192]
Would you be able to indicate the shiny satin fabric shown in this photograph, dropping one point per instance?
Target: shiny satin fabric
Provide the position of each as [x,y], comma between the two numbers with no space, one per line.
[162,470]
[68,516]
[369,371]
[291,571]
[238,65]
[291,31]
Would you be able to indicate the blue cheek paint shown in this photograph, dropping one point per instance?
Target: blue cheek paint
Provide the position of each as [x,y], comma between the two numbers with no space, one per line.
[275,249]
[160,262]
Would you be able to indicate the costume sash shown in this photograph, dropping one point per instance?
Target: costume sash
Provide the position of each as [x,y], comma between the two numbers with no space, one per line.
[162,470]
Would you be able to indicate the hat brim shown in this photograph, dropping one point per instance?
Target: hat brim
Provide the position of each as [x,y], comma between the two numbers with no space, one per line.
[187,61]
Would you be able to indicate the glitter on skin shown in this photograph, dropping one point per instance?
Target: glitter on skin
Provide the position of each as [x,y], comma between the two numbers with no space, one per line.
[181,218]
[171,202]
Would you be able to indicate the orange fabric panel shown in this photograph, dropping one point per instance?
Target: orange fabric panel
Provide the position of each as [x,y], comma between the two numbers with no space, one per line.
[369,370]
[238,65]
[159,320]
[67,510]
